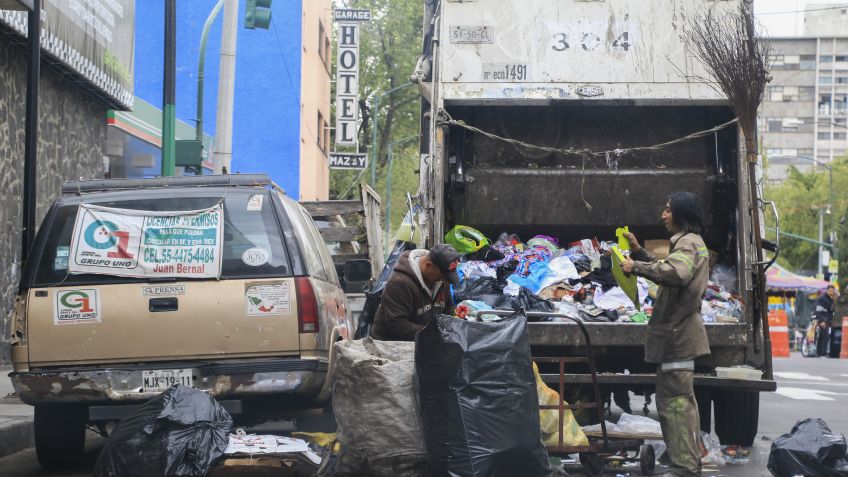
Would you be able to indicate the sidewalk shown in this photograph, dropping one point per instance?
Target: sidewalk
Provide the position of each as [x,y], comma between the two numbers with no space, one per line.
[16,427]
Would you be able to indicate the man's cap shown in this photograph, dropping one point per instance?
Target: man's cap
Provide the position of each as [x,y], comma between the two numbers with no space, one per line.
[445,257]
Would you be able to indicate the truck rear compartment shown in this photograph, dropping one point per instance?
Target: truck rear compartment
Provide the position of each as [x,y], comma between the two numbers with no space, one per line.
[498,187]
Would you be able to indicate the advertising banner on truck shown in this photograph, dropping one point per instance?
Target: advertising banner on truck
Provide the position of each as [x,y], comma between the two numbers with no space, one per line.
[135,243]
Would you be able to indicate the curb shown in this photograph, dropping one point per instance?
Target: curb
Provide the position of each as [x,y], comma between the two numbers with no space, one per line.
[16,437]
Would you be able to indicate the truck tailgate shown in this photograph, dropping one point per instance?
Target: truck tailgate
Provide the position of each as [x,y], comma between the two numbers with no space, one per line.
[179,321]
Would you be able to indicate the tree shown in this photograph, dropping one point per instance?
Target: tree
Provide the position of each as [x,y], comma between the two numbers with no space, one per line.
[389,49]
[799,199]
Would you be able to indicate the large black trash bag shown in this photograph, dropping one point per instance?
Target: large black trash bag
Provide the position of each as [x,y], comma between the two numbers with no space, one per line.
[527,301]
[810,449]
[485,289]
[180,432]
[478,398]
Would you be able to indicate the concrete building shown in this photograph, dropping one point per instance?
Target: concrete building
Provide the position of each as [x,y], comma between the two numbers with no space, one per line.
[805,109]
[282,88]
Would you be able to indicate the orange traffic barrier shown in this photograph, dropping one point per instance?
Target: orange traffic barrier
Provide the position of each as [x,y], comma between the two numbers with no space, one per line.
[779,333]
[844,353]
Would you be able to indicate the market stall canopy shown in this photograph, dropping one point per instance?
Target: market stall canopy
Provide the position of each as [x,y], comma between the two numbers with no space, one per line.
[780,279]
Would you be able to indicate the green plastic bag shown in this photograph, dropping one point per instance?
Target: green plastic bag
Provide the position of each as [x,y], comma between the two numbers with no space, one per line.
[466,239]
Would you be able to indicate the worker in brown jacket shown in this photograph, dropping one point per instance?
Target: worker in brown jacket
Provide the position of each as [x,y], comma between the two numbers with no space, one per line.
[676,333]
[416,292]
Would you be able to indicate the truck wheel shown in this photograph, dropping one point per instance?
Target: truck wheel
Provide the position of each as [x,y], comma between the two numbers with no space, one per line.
[737,416]
[60,435]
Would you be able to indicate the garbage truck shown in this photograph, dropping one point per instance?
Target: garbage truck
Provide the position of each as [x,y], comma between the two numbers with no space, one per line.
[612,94]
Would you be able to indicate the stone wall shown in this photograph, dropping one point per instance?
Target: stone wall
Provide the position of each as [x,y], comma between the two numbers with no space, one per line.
[71,137]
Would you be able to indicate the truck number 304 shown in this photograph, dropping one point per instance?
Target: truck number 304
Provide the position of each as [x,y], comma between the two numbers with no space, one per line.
[589,42]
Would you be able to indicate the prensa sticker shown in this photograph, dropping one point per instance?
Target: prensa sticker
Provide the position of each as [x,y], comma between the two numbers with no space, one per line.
[76,307]
[267,299]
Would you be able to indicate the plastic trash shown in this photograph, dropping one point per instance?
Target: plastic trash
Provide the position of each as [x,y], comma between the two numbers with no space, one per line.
[180,432]
[572,434]
[550,243]
[630,424]
[713,447]
[810,449]
[478,398]
[527,301]
[466,239]
[485,289]
[379,426]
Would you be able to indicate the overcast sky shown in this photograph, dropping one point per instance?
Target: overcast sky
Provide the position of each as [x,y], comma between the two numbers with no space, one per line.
[783,24]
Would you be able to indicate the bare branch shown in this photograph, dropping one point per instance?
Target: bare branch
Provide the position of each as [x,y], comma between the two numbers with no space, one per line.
[726,43]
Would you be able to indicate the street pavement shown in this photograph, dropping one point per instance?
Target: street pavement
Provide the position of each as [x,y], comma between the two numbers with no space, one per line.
[807,387]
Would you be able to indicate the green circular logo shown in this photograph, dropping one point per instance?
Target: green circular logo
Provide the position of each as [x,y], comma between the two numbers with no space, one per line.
[98,231]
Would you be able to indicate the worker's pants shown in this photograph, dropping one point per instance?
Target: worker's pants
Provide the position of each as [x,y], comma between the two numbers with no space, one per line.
[678,412]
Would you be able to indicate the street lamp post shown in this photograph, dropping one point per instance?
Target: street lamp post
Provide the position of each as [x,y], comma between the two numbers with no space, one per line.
[375,117]
[388,195]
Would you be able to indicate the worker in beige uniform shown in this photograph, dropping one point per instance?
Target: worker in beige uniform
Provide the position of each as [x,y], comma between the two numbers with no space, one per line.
[676,333]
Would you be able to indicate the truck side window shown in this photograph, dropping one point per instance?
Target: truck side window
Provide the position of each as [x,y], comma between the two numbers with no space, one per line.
[311,257]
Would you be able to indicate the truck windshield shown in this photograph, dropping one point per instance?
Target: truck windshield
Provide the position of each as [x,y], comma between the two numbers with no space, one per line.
[248,224]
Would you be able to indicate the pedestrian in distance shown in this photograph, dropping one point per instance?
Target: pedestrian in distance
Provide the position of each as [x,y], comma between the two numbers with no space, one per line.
[823,315]
[676,333]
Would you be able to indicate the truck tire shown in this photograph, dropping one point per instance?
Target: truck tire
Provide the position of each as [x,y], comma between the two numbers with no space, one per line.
[60,435]
[737,416]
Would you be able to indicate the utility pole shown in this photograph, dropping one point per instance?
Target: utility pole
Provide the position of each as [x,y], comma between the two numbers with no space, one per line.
[226,86]
[31,131]
[169,113]
[201,67]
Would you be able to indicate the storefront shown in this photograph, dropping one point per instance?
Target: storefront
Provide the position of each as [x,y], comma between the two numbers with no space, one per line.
[134,143]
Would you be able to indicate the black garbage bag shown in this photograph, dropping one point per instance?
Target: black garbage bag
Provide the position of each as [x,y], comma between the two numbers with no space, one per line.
[527,301]
[505,270]
[485,289]
[477,392]
[810,449]
[180,432]
[581,262]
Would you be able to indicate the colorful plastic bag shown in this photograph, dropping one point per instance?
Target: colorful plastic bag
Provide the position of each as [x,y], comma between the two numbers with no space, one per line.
[466,239]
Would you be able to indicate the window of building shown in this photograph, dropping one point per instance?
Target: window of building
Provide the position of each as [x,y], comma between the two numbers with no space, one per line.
[826,58]
[825,80]
[841,57]
[806,93]
[839,136]
[824,136]
[774,93]
[774,152]
[776,60]
[324,45]
[775,125]
[841,77]
[323,133]
[805,152]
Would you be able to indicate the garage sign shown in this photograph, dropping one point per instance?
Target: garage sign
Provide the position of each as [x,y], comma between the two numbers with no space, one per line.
[136,243]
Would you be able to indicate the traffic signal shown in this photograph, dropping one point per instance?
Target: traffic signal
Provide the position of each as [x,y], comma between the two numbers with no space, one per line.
[257,14]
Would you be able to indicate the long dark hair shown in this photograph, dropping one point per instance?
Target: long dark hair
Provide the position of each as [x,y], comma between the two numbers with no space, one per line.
[686,212]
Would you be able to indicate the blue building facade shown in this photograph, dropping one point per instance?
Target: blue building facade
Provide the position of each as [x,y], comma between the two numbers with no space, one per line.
[267,112]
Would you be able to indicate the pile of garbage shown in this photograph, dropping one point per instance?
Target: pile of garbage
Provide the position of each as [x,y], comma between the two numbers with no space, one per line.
[575,280]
